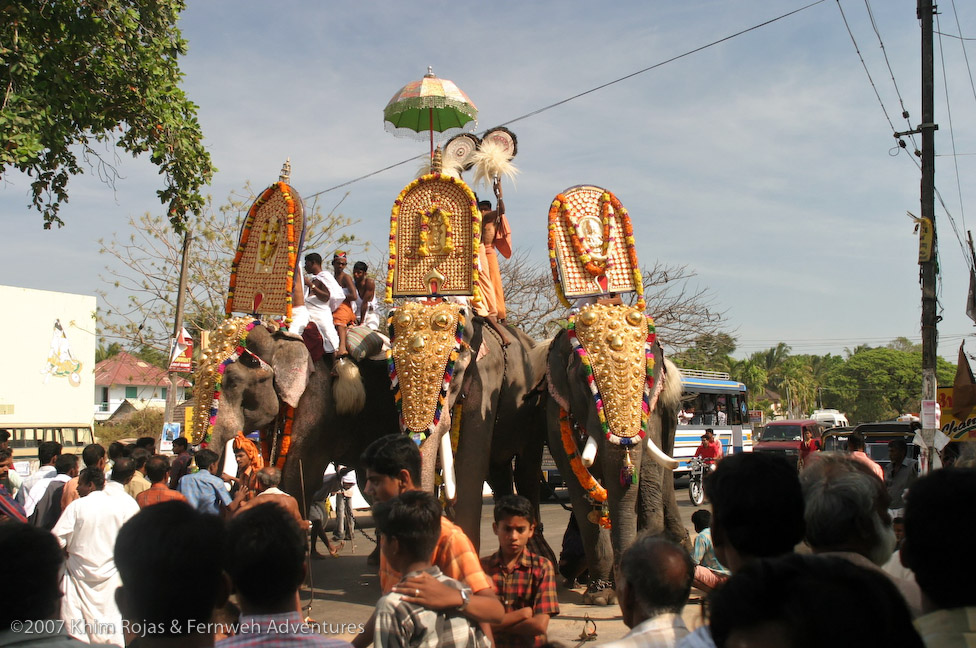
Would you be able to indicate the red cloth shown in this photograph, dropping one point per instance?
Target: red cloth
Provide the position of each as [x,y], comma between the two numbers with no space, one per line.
[711,451]
[807,448]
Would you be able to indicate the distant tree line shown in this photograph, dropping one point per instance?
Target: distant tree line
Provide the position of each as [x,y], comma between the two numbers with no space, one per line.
[866,383]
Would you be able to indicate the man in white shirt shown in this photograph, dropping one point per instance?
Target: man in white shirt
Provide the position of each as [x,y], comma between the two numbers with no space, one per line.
[324,296]
[653,579]
[47,453]
[87,531]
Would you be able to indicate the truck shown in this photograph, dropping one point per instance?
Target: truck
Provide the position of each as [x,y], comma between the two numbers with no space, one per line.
[47,386]
[829,418]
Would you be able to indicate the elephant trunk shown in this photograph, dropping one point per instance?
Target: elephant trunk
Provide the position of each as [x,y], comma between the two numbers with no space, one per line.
[430,448]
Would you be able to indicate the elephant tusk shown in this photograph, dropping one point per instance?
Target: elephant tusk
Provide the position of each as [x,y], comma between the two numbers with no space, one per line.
[589,452]
[447,463]
[660,457]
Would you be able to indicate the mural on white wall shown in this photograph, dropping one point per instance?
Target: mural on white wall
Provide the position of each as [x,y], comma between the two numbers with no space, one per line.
[60,362]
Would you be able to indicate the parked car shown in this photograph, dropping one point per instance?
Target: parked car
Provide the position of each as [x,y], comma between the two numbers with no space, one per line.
[784,437]
[876,438]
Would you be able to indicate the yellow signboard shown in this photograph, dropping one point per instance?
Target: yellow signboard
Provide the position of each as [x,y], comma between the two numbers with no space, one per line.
[955,428]
[924,240]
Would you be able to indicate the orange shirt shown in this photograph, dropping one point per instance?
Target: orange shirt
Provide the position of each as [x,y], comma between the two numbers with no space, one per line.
[157,494]
[454,554]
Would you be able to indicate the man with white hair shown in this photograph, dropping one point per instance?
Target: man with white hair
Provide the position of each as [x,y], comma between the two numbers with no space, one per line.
[653,580]
[846,515]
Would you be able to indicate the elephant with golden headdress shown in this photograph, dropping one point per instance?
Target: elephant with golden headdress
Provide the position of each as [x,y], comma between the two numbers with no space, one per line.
[611,422]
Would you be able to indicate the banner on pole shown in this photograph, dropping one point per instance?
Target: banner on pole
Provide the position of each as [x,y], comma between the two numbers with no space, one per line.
[181,359]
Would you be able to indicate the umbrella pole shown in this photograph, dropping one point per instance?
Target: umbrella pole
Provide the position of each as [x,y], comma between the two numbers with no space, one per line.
[430,111]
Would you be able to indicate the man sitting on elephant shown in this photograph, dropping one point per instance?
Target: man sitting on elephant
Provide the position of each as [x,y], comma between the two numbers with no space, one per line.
[393,467]
[343,315]
[324,296]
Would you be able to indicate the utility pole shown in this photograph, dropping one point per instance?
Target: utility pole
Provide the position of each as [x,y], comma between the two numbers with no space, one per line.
[929,264]
[177,329]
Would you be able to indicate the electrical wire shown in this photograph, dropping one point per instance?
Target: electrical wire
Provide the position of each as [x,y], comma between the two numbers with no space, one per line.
[962,42]
[955,161]
[590,91]
[865,66]
[884,51]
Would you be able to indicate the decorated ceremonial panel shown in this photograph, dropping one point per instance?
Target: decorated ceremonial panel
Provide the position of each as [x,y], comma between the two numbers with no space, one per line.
[435,226]
[591,244]
[262,274]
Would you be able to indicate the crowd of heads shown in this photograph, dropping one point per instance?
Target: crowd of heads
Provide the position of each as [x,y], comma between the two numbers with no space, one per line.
[761,509]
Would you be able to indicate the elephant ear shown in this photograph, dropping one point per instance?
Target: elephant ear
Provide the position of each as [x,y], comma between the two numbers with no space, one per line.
[292,366]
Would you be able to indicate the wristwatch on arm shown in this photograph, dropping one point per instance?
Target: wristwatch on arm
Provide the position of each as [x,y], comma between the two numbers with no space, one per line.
[465,599]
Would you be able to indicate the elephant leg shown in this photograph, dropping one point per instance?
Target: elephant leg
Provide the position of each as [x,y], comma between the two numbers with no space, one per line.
[473,453]
[674,528]
[596,540]
[500,479]
[528,472]
[650,501]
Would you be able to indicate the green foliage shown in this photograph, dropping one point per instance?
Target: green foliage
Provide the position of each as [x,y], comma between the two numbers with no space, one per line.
[710,353]
[78,74]
[870,384]
[153,356]
[103,352]
[145,422]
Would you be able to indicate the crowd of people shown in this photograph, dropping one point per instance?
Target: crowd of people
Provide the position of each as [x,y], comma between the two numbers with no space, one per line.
[113,550]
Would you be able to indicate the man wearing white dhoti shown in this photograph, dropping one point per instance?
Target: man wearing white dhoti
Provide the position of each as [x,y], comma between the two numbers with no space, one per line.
[87,531]
[324,296]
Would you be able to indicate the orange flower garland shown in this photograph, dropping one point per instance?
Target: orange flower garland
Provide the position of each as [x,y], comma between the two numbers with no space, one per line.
[595,268]
[593,489]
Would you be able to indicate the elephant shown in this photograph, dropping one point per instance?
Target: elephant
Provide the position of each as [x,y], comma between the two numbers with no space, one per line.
[277,369]
[496,386]
[639,492]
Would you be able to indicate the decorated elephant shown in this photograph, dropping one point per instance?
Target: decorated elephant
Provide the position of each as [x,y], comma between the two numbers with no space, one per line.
[611,422]
[469,401]
[258,377]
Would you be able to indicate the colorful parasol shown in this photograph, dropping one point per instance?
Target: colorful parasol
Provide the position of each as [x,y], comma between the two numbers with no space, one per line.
[427,106]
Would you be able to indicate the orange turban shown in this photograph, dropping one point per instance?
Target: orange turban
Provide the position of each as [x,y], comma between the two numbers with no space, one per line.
[241,442]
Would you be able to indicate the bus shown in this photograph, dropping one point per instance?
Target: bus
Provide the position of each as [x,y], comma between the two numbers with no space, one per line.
[25,439]
[707,398]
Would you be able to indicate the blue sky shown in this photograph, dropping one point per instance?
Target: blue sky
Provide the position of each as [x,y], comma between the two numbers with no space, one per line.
[763,163]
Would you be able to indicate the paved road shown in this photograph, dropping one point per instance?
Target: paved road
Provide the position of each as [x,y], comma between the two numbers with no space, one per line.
[346,589]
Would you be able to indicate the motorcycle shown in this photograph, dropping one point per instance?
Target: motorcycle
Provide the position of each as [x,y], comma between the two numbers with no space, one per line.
[696,484]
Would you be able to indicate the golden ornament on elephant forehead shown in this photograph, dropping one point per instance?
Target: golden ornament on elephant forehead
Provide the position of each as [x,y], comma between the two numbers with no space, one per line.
[227,343]
[614,343]
[425,340]
[262,276]
[435,230]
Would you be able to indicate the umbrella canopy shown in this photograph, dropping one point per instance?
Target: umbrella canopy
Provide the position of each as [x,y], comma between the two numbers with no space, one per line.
[421,108]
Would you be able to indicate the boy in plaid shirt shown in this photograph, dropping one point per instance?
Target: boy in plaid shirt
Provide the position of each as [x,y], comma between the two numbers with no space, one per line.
[525,581]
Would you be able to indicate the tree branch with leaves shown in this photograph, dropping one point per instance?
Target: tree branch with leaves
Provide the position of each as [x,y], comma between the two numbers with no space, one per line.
[78,76]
